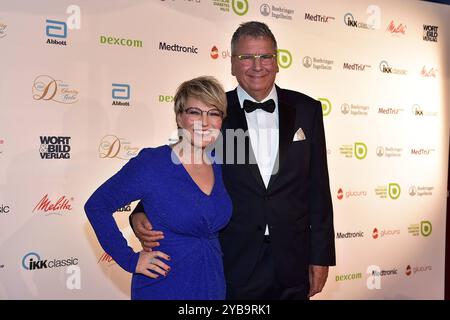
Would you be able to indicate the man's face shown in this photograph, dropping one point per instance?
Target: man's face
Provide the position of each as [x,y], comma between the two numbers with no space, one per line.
[255,76]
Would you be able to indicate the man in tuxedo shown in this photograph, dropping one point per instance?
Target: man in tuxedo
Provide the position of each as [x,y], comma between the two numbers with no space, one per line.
[279,242]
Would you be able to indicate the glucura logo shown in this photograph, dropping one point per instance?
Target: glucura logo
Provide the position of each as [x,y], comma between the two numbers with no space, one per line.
[384,233]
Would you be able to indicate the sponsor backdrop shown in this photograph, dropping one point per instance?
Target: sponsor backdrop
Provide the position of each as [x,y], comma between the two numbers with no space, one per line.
[84,85]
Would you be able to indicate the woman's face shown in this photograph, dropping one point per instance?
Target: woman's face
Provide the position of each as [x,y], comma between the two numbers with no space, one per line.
[201,123]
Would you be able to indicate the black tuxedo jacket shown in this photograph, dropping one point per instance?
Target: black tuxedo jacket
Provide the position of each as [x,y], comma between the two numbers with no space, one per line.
[296,204]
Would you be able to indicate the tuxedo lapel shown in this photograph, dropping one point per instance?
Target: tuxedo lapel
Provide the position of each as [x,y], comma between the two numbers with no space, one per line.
[286,124]
[236,120]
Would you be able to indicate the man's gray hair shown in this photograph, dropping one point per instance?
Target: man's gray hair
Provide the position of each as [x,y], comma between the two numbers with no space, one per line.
[254,29]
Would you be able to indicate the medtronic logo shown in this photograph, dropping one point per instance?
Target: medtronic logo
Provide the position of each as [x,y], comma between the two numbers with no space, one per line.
[284,58]
[177,48]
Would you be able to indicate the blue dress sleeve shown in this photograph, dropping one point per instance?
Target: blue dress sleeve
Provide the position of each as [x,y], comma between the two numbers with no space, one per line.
[125,186]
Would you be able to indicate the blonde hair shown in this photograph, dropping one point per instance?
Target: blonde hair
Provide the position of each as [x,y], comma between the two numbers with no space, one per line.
[206,89]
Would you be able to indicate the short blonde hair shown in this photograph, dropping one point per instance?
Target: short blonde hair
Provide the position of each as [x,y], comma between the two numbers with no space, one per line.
[206,89]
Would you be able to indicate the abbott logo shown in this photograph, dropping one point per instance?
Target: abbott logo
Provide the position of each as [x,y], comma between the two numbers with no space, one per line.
[326,106]
[56,29]
[360,150]
[394,190]
[121,91]
[284,58]
[240,7]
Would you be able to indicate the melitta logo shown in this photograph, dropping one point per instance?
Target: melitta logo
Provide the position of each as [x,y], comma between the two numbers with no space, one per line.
[121,94]
[384,233]
[317,63]
[356,66]
[357,150]
[106,258]
[46,88]
[355,109]
[58,207]
[284,58]
[32,261]
[277,12]
[430,33]
[56,30]
[348,235]
[178,48]
[385,68]
[4,208]
[318,17]
[389,152]
[326,106]
[112,146]
[423,228]
[54,147]
[392,190]
[350,194]
[427,73]
[396,29]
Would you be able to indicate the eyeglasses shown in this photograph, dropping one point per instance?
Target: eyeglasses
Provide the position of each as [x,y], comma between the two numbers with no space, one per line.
[266,59]
[196,114]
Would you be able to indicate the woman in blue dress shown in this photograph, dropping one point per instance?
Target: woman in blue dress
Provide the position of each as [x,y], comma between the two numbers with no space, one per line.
[183,195]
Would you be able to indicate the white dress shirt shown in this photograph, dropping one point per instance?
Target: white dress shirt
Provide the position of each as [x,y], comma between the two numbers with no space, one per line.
[264,134]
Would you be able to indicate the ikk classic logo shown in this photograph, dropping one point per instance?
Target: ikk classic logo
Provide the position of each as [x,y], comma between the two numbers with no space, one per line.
[420,111]
[56,31]
[372,22]
[388,69]
[55,147]
[121,94]
[239,7]
[46,88]
[33,261]
[112,146]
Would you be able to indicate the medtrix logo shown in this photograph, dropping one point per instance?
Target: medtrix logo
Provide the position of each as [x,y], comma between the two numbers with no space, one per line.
[421,151]
[46,88]
[396,29]
[391,111]
[4,208]
[121,94]
[428,73]
[349,235]
[32,261]
[112,146]
[55,147]
[56,31]
[356,66]
[60,206]
[318,17]
[386,68]
[178,48]
[430,33]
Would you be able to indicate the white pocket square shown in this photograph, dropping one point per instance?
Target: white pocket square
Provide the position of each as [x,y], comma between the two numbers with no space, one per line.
[299,135]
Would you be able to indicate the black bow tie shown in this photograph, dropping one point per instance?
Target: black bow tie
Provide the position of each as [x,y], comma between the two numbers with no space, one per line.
[268,106]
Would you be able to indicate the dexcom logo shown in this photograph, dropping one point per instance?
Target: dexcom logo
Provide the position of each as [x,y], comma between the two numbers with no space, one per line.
[240,7]
[284,58]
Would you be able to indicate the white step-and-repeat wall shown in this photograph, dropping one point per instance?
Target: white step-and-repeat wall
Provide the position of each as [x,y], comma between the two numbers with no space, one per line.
[84,85]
